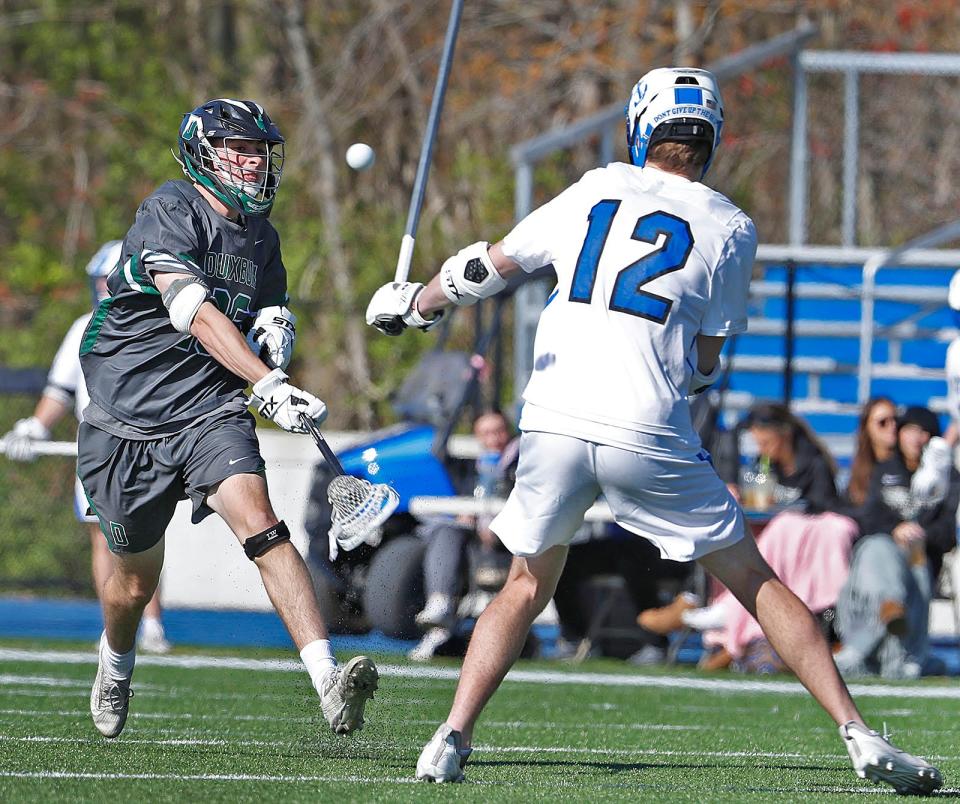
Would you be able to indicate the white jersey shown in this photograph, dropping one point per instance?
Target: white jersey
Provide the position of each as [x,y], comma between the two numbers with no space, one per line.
[645,261]
[65,381]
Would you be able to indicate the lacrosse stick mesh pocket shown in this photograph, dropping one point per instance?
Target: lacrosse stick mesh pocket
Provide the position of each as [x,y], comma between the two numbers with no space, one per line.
[359,508]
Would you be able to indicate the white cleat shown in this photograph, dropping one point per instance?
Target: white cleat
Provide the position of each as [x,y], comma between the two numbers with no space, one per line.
[109,702]
[346,691]
[443,758]
[876,758]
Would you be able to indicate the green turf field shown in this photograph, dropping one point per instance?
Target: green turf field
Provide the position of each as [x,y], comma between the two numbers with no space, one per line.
[242,726]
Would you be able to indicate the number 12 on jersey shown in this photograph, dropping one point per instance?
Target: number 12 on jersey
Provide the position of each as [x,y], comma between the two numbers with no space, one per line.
[628,296]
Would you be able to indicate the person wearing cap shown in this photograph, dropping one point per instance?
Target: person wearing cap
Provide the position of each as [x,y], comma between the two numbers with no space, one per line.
[931,481]
[882,613]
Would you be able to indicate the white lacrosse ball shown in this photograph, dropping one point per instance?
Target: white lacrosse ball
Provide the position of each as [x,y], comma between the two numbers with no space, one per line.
[360,156]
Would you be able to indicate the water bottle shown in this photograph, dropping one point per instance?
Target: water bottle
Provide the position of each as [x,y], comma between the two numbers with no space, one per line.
[757,485]
[487,474]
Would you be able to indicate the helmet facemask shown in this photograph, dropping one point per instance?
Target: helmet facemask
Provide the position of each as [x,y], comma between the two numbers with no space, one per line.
[226,160]
[219,167]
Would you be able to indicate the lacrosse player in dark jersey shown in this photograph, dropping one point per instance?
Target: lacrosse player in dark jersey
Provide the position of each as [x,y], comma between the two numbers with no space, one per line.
[166,364]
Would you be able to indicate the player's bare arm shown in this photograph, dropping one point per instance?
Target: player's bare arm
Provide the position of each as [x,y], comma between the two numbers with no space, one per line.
[220,336]
[707,370]
[275,398]
[708,352]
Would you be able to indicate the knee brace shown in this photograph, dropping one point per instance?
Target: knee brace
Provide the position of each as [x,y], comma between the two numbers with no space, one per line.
[258,544]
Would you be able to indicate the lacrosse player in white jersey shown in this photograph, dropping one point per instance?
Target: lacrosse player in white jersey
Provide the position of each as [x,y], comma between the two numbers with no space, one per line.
[931,482]
[653,270]
[65,388]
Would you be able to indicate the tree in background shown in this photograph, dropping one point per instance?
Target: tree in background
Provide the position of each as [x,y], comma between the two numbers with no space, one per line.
[93,93]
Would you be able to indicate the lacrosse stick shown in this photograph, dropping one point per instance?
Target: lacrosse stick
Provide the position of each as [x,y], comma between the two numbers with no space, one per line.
[68,448]
[359,506]
[433,122]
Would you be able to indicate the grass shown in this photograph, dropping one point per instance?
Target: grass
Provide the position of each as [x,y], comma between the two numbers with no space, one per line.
[216,733]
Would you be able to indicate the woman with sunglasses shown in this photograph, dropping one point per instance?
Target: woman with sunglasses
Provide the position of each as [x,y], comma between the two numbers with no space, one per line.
[882,613]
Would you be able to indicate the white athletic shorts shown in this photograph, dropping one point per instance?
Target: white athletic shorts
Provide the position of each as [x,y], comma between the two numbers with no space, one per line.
[80,504]
[677,501]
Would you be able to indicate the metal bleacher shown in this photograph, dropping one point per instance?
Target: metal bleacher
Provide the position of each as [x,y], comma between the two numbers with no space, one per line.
[912,327]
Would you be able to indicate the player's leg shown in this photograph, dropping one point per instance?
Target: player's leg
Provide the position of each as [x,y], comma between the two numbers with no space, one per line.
[787,623]
[555,486]
[500,634]
[677,501]
[101,563]
[496,643]
[152,637]
[794,634]
[243,503]
[126,592]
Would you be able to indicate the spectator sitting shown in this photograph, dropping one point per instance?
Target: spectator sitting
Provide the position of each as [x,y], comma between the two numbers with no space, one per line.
[806,544]
[882,613]
[876,440]
[450,541]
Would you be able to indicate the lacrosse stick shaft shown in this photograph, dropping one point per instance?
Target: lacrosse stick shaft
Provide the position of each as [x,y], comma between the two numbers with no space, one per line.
[433,122]
[68,448]
[328,454]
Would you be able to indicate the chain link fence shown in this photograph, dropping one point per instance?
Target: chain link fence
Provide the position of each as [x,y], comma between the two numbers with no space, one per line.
[43,548]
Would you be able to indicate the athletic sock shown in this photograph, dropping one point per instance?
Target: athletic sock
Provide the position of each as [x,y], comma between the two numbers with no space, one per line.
[318,658]
[118,666]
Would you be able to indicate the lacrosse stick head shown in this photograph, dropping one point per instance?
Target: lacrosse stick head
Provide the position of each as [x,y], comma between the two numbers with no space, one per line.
[359,509]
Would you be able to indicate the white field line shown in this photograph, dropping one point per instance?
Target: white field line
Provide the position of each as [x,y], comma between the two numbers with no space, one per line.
[11,680]
[740,685]
[84,713]
[518,725]
[486,750]
[202,777]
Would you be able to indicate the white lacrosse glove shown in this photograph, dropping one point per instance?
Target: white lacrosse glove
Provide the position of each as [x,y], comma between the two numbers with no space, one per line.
[272,335]
[931,481]
[393,308]
[18,443]
[283,403]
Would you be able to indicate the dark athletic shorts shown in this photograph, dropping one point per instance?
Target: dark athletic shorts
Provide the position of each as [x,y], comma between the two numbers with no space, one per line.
[134,486]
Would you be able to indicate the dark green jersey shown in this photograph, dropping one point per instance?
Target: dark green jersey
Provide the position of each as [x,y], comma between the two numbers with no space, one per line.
[139,370]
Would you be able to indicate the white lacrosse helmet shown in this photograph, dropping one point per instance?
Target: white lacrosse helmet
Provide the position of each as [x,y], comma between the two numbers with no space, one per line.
[676,104]
[100,266]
